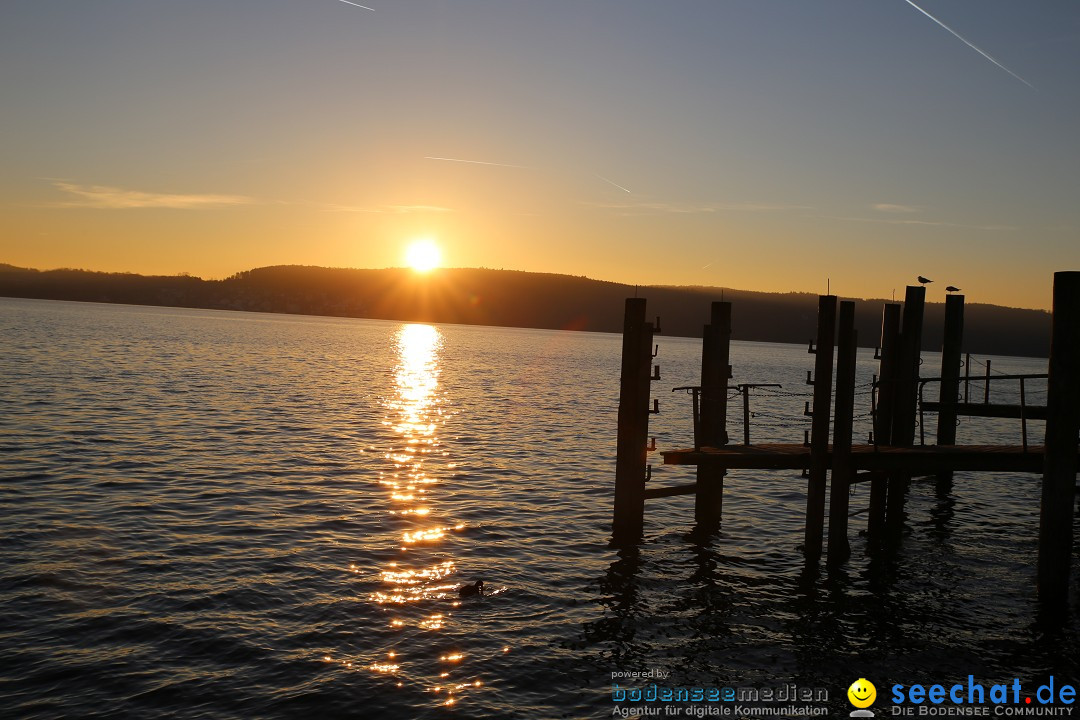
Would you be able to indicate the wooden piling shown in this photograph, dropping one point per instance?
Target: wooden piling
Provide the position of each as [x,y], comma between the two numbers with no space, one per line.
[715,372]
[907,386]
[843,418]
[967,375]
[906,402]
[819,433]
[883,417]
[950,376]
[1062,426]
[745,392]
[634,390]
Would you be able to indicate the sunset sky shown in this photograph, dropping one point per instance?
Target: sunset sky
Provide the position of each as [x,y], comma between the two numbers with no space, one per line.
[757,144]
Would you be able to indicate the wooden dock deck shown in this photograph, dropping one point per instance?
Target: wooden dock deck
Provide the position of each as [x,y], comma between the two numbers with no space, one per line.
[918,459]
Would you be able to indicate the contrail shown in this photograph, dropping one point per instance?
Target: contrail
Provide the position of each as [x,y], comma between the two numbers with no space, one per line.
[475,162]
[970,45]
[609,182]
[359,6]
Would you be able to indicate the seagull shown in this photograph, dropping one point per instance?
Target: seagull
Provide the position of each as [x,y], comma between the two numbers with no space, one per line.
[924,280]
[952,288]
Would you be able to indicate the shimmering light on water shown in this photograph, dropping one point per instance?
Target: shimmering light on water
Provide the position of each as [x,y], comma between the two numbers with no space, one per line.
[414,413]
[384,668]
[429,535]
[433,622]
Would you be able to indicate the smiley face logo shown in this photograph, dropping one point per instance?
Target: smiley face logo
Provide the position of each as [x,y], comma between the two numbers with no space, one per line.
[862,693]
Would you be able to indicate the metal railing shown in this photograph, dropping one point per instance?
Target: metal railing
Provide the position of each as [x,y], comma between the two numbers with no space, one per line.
[1024,408]
[744,390]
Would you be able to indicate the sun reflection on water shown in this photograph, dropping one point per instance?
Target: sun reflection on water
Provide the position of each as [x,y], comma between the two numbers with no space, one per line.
[414,415]
[419,591]
[432,622]
[405,577]
[416,380]
[428,535]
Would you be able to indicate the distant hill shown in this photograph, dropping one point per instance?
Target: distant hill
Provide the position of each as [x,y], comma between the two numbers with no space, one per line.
[513,299]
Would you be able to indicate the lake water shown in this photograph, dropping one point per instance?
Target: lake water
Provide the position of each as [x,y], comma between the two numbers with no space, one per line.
[213,515]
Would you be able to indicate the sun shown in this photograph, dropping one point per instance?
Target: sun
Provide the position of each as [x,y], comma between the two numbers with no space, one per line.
[423,256]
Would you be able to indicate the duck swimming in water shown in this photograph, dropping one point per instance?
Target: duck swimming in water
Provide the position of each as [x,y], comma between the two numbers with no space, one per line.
[477,588]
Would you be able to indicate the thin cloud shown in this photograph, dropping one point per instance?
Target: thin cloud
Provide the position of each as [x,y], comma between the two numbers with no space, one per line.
[105,197]
[519,167]
[654,207]
[927,223]
[690,209]
[892,208]
[762,207]
[401,209]
[478,162]
[381,210]
[334,207]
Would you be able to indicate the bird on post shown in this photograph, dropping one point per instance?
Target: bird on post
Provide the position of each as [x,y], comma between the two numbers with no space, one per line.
[924,280]
[952,289]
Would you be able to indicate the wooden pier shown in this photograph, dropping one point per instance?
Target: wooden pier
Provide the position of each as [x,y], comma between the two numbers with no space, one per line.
[925,459]
[833,464]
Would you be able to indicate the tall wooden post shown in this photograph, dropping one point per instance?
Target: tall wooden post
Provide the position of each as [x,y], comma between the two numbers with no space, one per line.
[819,432]
[1062,426]
[715,372]
[631,453]
[906,401]
[950,376]
[883,417]
[843,418]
